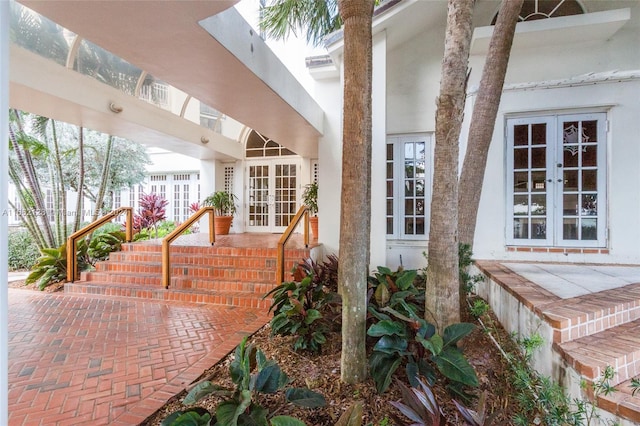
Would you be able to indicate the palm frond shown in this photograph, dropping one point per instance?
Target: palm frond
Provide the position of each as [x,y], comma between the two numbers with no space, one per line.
[314,18]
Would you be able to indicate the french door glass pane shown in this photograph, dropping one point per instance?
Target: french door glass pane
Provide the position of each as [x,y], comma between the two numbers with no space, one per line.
[539,228]
[529,181]
[580,156]
[520,228]
[414,191]
[285,193]
[258,195]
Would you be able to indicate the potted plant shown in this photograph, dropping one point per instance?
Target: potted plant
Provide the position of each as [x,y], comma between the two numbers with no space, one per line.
[224,204]
[310,199]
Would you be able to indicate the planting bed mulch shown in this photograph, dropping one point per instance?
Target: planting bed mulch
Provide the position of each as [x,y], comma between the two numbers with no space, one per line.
[322,374]
[20,284]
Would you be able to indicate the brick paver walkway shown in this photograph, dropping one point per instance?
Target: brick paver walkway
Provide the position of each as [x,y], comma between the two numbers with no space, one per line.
[100,360]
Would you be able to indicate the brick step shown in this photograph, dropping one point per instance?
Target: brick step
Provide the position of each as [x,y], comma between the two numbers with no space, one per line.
[146,247]
[189,259]
[243,299]
[188,282]
[592,313]
[139,278]
[257,288]
[618,347]
[178,270]
[622,403]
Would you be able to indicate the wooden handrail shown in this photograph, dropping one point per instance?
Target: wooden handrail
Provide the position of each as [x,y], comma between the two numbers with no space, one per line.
[166,241]
[303,211]
[72,242]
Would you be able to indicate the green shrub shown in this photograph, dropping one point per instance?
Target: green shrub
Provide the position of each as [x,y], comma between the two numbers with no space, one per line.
[396,309]
[22,251]
[163,229]
[309,306]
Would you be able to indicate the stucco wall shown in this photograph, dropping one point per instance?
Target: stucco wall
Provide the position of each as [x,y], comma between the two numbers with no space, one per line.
[412,83]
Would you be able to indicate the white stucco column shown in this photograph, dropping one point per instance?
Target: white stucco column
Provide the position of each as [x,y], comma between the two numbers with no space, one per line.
[378,152]
[207,185]
[4,193]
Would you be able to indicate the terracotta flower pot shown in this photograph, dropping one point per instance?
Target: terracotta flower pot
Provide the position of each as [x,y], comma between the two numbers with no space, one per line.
[222,224]
[313,222]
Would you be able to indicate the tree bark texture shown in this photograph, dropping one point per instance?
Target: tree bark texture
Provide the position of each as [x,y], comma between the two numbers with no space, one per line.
[483,119]
[80,201]
[443,293]
[355,213]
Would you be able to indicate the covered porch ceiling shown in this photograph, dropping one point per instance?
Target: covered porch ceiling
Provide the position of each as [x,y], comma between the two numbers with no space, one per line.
[227,66]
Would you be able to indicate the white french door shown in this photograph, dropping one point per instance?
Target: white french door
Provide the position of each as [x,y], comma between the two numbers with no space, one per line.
[556,180]
[272,194]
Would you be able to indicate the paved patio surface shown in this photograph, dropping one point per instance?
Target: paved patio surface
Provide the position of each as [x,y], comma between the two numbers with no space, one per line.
[101,360]
[572,280]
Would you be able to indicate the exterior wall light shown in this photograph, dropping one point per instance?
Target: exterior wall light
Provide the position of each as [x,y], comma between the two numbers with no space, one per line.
[204,140]
[115,108]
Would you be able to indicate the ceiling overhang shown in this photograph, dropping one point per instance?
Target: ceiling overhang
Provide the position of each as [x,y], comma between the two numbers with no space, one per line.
[165,39]
[68,96]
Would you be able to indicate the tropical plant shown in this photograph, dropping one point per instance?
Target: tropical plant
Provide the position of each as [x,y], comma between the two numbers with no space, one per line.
[310,198]
[51,266]
[419,405]
[478,418]
[405,337]
[195,416]
[308,306]
[163,229]
[253,375]
[103,243]
[465,260]
[635,386]
[153,210]
[223,202]
[49,156]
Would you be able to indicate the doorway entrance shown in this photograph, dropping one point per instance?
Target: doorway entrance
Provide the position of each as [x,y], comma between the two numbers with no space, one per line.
[272,194]
[556,180]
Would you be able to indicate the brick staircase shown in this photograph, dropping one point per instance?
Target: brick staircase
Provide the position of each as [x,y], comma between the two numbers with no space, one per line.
[599,330]
[219,274]
[586,333]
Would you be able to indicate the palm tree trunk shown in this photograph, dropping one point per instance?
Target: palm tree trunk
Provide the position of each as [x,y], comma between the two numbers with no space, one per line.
[442,293]
[355,213]
[104,179]
[62,230]
[32,183]
[483,119]
[79,203]
[28,220]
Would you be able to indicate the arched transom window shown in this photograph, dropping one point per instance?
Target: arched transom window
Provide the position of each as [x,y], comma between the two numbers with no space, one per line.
[544,9]
[262,146]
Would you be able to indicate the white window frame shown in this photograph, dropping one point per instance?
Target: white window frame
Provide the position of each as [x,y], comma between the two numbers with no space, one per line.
[555,179]
[398,142]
